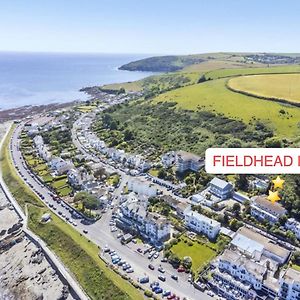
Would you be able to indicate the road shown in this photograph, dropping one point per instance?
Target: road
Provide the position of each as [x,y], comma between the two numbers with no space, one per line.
[55,260]
[99,232]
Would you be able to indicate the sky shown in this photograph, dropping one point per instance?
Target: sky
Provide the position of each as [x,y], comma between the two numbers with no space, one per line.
[150,26]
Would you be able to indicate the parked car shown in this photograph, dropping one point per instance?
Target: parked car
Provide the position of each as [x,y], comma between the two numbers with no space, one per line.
[162,278]
[130,270]
[151,267]
[158,290]
[181,270]
[161,269]
[166,293]
[144,280]
[174,277]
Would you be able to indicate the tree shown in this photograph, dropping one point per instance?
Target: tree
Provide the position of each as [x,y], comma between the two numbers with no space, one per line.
[91,202]
[128,135]
[187,262]
[273,142]
[283,219]
[99,173]
[247,207]
[174,260]
[234,224]
[88,201]
[162,174]
[242,182]
[202,79]
[296,258]
[236,208]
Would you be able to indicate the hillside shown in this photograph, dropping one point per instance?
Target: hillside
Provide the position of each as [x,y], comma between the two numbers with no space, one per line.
[173,63]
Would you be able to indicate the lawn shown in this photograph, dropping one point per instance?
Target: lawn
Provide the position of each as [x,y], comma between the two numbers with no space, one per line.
[59,183]
[214,96]
[86,108]
[153,172]
[279,86]
[296,267]
[47,178]
[64,191]
[201,254]
[82,258]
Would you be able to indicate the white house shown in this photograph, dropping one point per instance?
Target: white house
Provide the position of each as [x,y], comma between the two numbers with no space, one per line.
[60,165]
[294,226]
[74,178]
[168,159]
[290,285]
[220,188]
[263,209]
[142,187]
[41,148]
[201,224]
[188,161]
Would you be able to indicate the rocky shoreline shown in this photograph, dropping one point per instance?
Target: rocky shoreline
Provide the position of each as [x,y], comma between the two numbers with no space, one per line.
[22,112]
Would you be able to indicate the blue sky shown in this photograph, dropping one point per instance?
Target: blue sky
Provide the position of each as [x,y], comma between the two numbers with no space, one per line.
[157,27]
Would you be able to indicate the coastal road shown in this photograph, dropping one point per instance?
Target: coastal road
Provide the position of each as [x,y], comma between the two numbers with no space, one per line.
[99,232]
[79,293]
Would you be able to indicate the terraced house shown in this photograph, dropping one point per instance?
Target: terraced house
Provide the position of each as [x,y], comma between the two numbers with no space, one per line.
[263,209]
[134,218]
[250,267]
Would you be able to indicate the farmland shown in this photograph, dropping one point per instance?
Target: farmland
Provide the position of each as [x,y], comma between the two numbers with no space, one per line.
[279,86]
[222,73]
[214,96]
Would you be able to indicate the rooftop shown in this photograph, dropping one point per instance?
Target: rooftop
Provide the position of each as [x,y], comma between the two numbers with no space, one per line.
[188,156]
[267,243]
[220,183]
[202,218]
[291,275]
[265,204]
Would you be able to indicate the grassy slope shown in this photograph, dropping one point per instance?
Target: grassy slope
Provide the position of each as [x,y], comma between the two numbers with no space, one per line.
[214,96]
[98,281]
[221,73]
[162,81]
[280,86]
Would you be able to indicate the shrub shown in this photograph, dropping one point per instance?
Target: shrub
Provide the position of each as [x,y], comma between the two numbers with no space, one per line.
[148,293]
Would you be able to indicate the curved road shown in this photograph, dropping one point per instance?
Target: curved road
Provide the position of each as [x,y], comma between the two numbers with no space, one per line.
[99,232]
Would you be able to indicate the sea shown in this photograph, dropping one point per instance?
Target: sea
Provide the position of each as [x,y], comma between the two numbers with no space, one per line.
[45,78]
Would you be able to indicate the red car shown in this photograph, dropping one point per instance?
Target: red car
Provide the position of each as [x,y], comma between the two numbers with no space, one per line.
[181,269]
[171,296]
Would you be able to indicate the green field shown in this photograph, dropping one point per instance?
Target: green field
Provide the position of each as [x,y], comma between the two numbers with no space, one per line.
[221,73]
[214,96]
[201,254]
[82,260]
[279,86]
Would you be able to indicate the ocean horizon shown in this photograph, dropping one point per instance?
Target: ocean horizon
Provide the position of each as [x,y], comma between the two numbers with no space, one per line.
[43,78]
